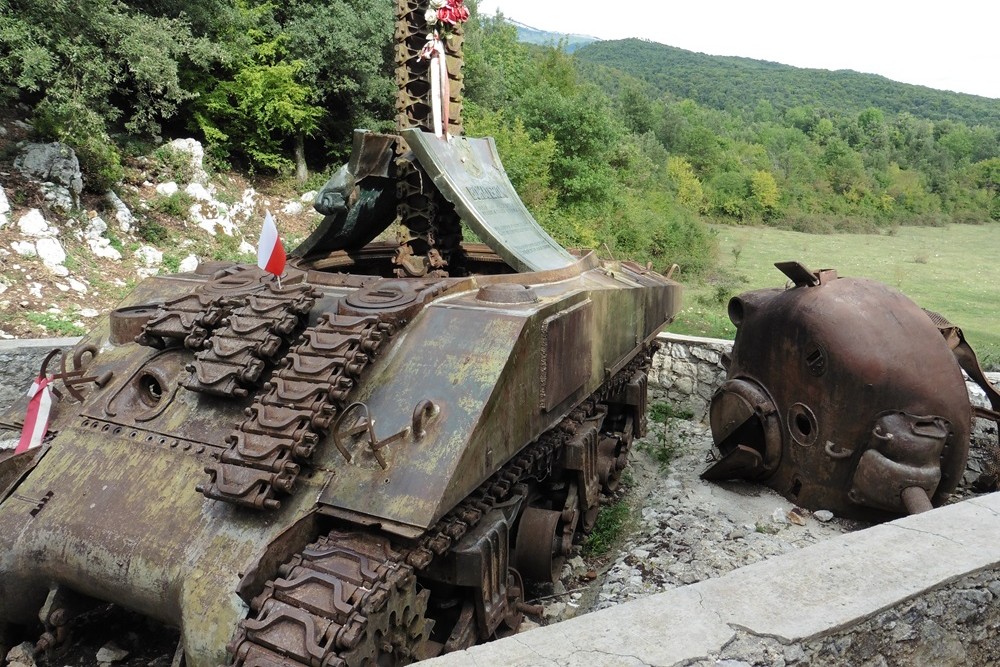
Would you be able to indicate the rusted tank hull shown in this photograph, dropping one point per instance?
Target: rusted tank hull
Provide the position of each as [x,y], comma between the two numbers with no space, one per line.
[467,383]
[114,518]
[841,394]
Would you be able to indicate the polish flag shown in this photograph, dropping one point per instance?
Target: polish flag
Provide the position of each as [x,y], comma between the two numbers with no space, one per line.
[270,252]
[36,421]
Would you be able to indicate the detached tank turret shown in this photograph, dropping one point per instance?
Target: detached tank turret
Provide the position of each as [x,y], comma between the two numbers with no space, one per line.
[360,464]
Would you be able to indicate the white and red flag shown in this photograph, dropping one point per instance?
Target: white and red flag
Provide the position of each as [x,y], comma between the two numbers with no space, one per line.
[36,421]
[270,252]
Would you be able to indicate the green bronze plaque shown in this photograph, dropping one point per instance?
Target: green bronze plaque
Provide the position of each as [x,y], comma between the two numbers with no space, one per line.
[469,174]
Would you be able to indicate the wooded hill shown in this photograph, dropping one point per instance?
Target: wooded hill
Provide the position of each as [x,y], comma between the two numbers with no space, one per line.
[631,161]
[724,82]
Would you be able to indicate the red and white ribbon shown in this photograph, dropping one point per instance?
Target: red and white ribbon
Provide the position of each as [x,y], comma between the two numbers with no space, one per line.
[36,421]
[440,85]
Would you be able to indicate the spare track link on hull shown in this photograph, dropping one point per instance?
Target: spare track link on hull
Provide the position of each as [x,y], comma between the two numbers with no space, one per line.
[335,603]
[294,410]
[237,335]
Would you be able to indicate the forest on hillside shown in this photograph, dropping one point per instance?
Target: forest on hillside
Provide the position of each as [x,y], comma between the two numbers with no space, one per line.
[624,152]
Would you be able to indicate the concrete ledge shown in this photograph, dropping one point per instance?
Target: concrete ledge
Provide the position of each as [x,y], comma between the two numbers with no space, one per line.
[791,600]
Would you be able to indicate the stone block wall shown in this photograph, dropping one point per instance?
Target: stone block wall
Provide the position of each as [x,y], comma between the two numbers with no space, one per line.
[19,364]
[686,372]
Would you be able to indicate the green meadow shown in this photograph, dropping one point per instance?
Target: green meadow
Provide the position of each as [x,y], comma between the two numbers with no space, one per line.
[953,270]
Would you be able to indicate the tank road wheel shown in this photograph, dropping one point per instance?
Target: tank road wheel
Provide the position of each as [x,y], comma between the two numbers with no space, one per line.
[612,459]
[539,551]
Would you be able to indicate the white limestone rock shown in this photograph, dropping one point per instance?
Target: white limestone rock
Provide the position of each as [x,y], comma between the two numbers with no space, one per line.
[188,264]
[4,203]
[111,652]
[199,192]
[24,248]
[167,189]
[122,213]
[50,251]
[96,228]
[149,256]
[196,155]
[33,223]
[22,655]
[293,208]
[77,286]
[102,248]
[308,197]
[99,244]
[59,197]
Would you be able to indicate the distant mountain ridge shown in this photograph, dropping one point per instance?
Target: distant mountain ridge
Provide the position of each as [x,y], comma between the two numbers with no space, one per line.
[530,35]
[728,82]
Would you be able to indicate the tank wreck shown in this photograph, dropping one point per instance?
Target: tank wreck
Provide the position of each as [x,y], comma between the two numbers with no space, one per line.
[842,394]
[359,461]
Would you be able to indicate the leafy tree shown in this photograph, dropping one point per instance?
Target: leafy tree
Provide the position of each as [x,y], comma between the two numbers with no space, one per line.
[685,184]
[262,104]
[764,193]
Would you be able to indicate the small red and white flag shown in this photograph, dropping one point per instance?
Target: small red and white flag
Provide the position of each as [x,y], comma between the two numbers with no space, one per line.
[270,252]
[36,421]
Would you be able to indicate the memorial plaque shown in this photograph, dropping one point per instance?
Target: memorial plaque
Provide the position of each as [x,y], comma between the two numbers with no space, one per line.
[469,174]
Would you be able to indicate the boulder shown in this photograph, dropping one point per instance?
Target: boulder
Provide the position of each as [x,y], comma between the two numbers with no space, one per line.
[188,264]
[4,203]
[24,248]
[199,192]
[50,251]
[149,256]
[58,197]
[33,223]
[293,208]
[52,163]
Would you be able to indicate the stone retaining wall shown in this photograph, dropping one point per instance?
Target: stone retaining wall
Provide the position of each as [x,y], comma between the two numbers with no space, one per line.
[19,364]
[686,372]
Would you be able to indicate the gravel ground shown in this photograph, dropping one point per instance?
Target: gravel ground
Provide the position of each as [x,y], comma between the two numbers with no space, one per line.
[683,529]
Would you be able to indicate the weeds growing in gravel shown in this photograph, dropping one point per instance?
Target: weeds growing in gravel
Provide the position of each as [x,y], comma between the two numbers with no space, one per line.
[610,524]
[662,444]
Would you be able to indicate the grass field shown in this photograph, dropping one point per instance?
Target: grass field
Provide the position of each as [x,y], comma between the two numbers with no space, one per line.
[953,270]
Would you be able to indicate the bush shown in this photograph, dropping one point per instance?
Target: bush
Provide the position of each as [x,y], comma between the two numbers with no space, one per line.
[175,205]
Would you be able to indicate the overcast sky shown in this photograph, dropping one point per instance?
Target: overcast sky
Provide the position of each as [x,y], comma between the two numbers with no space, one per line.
[947,45]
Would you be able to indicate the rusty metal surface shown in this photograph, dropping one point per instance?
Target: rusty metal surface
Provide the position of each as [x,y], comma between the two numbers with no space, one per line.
[842,395]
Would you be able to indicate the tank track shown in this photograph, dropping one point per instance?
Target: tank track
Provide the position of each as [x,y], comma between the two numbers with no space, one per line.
[294,410]
[334,603]
[430,229]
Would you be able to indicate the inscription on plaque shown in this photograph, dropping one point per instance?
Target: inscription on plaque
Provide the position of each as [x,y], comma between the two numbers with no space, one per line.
[470,175]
